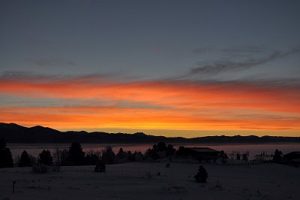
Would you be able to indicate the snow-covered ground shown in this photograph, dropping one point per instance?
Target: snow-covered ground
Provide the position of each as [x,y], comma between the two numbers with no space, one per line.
[141,181]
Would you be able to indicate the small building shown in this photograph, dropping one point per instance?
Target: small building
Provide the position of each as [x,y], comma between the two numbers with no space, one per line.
[292,158]
[201,153]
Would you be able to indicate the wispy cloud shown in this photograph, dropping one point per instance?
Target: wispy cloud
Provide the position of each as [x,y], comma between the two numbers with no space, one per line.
[248,49]
[229,65]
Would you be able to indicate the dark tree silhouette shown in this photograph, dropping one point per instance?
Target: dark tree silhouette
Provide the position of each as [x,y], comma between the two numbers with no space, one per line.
[202,175]
[121,156]
[76,155]
[160,150]
[5,155]
[245,156]
[138,156]
[91,159]
[161,146]
[277,156]
[181,152]
[151,153]
[108,156]
[170,150]
[45,158]
[25,160]
[223,157]
[131,156]
[63,157]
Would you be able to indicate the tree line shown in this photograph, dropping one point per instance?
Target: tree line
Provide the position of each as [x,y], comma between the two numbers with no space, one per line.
[76,156]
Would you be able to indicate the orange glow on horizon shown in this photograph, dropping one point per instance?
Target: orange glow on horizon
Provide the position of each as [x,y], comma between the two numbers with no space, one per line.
[163,105]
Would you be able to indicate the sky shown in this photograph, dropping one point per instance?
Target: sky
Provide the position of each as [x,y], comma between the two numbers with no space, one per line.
[173,68]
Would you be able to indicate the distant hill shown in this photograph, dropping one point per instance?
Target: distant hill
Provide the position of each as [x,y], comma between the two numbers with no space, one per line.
[14,133]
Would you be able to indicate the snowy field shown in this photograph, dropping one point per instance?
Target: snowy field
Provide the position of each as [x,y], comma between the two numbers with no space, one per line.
[153,181]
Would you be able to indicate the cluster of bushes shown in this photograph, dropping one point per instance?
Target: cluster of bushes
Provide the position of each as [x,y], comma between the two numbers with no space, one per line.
[201,176]
[160,150]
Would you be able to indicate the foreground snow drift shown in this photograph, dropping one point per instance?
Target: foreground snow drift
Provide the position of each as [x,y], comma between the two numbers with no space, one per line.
[153,181]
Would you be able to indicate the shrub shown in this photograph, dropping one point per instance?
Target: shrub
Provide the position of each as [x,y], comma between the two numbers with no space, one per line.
[63,157]
[122,156]
[182,152]
[161,146]
[108,156]
[151,153]
[25,160]
[245,156]
[238,156]
[201,176]
[131,156]
[45,158]
[138,156]
[170,150]
[277,156]
[91,158]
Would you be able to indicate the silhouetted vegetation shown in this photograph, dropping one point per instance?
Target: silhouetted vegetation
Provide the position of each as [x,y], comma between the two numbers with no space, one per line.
[151,154]
[160,150]
[224,157]
[108,156]
[201,176]
[170,150]
[91,158]
[181,152]
[245,156]
[5,155]
[25,160]
[45,158]
[277,156]
[238,156]
[122,156]
[76,154]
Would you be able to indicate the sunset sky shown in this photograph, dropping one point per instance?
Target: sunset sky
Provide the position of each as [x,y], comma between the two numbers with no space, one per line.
[174,68]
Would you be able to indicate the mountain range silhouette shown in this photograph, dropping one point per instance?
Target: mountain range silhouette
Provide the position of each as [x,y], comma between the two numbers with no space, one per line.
[14,133]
